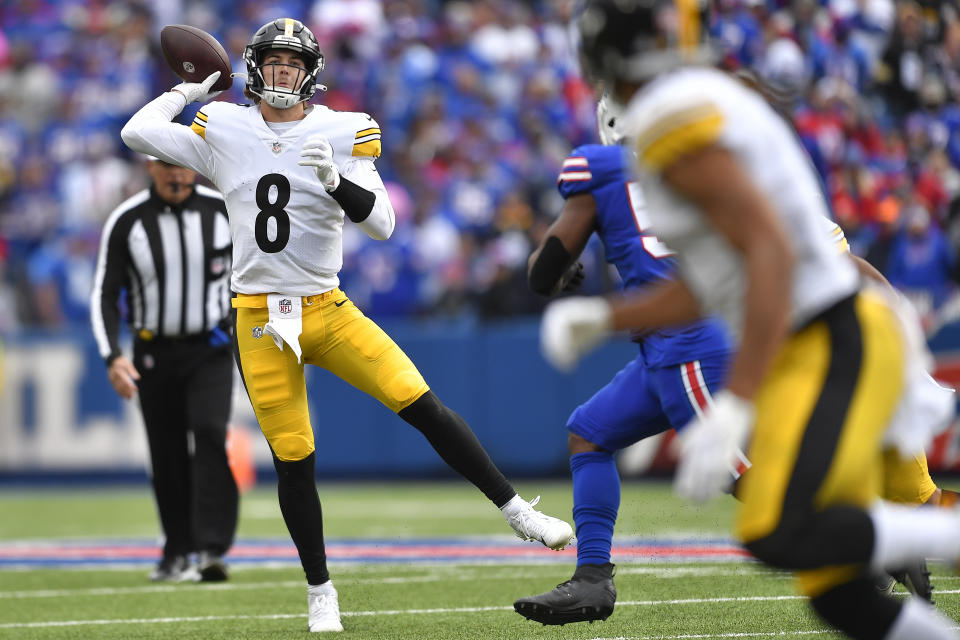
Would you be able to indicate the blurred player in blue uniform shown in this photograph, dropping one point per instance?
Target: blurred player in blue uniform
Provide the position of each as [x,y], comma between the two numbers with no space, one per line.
[667,384]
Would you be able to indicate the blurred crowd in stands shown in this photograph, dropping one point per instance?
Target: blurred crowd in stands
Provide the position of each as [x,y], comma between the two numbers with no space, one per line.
[479,103]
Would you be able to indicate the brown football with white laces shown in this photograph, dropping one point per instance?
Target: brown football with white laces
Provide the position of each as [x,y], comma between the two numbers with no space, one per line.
[193,54]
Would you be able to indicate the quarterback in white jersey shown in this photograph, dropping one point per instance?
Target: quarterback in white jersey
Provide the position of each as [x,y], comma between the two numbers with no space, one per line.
[290,174]
[821,366]
[287,228]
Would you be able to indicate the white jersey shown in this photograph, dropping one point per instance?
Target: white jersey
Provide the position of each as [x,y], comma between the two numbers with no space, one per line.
[698,106]
[287,230]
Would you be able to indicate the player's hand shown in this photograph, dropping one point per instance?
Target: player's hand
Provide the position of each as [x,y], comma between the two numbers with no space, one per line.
[199,91]
[571,279]
[318,153]
[123,376]
[572,327]
[710,448]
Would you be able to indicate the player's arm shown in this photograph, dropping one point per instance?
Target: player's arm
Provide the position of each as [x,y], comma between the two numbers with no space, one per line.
[553,266]
[868,271]
[112,264]
[713,180]
[151,131]
[665,303]
[352,179]
[364,199]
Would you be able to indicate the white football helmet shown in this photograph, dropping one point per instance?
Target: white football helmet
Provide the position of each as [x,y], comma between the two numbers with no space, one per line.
[608,112]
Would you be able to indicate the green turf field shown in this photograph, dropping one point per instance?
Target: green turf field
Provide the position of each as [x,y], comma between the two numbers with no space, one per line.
[437,600]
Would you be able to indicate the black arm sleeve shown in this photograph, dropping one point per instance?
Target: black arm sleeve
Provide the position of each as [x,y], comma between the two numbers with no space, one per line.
[355,201]
[549,266]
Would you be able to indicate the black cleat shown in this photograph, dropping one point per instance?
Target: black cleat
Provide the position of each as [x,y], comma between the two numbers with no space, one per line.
[587,596]
[211,567]
[916,578]
[884,583]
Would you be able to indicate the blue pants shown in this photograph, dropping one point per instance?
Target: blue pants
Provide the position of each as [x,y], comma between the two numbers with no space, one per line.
[639,402]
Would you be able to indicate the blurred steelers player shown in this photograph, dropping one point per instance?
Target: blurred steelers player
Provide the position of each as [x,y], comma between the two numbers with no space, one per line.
[823,365]
[292,175]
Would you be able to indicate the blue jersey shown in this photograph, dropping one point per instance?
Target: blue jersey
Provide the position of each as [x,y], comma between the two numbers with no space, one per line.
[638,256]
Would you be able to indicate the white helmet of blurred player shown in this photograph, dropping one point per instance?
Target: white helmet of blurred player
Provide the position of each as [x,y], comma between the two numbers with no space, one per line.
[607,114]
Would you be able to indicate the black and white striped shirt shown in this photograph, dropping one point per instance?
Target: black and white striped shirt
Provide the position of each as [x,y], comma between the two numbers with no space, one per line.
[174,262]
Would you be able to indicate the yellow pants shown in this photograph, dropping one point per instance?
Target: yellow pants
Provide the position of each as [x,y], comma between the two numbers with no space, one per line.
[336,336]
[820,418]
[906,480]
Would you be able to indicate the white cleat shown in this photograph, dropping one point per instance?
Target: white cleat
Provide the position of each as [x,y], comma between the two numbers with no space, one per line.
[530,524]
[323,607]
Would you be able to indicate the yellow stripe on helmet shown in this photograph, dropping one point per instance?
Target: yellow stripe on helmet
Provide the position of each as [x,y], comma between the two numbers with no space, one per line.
[688,25]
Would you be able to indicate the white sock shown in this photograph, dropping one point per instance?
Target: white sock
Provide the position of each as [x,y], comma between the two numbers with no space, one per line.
[907,533]
[324,589]
[515,504]
[919,621]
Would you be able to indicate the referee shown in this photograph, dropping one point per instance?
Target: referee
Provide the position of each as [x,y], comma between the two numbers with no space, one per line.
[169,248]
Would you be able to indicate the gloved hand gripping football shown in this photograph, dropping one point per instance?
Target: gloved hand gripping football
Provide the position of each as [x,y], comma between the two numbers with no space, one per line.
[199,91]
[318,153]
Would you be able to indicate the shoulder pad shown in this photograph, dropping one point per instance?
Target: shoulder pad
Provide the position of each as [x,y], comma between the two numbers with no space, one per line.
[367,140]
[836,235]
[590,167]
[199,125]
[672,121]
[215,109]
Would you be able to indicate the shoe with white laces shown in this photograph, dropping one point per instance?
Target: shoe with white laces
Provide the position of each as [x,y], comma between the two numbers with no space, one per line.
[531,524]
[323,608]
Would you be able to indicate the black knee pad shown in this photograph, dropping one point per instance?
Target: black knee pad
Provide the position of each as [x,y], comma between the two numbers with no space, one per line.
[858,609]
[807,539]
[295,472]
[774,550]
[425,411]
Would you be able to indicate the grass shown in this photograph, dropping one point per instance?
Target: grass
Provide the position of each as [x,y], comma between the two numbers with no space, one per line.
[397,601]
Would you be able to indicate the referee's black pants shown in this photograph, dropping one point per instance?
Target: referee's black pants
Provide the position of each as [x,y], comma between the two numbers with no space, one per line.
[185,394]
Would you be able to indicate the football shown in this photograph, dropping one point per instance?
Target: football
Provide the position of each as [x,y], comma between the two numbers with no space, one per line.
[193,54]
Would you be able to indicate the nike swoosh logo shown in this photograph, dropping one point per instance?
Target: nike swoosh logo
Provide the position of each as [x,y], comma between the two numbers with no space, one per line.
[340,304]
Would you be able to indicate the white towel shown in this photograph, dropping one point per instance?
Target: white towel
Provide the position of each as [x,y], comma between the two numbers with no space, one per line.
[285,323]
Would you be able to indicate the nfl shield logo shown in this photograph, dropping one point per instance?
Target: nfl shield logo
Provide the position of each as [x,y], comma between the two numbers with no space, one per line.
[286,306]
[258,332]
[276,146]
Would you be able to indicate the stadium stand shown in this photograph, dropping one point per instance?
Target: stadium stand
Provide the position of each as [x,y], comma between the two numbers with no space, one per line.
[479,103]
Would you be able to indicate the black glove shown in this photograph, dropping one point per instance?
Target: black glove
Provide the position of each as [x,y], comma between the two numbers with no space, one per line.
[571,279]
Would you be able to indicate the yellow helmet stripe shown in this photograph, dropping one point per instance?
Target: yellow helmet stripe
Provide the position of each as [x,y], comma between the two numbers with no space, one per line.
[688,24]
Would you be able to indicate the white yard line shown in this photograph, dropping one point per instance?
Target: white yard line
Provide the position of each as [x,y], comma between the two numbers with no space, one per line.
[459,574]
[395,612]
